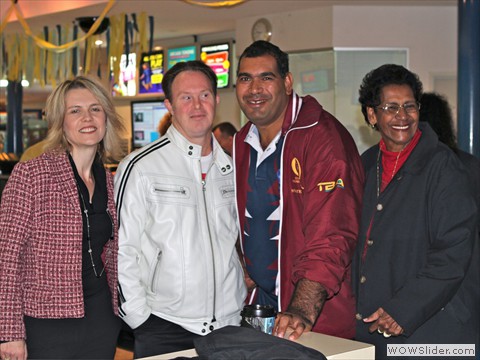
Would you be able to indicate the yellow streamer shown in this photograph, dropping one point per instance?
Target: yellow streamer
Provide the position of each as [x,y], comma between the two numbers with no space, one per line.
[13,43]
[36,68]
[67,60]
[2,75]
[45,44]
[142,27]
[216,4]
[5,19]
[117,40]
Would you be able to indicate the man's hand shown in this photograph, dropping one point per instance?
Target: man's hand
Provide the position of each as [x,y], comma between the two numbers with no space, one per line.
[248,281]
[13,350]
[287,320]
[383,323]
[306,304]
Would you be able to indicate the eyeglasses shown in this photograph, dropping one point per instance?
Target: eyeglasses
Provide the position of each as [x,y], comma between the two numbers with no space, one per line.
[394,109]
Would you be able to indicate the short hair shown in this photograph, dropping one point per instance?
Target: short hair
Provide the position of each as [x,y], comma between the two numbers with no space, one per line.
[225,128]
[261,48]
[195,65]
[436,111]
[388,74]
[109,147]
[164,123]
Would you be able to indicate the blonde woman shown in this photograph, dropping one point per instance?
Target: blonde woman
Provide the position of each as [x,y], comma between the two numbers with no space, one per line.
[58,235]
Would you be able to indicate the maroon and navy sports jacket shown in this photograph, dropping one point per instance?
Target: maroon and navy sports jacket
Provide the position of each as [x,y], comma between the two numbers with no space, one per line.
[321,190]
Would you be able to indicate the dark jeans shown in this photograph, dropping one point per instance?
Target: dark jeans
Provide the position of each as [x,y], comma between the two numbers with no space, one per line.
[158,336]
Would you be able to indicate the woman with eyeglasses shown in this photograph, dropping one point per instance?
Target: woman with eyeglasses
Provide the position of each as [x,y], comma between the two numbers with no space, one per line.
[416,268]
[58,235]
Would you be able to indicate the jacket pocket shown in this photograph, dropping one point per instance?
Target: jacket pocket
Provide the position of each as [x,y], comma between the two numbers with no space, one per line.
[170,191]
[154,272]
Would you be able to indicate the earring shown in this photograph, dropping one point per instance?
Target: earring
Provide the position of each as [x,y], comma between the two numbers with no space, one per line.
[373,126]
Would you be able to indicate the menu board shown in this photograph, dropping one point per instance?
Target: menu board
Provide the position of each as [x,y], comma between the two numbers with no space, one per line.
[151,73]
[217,56]
[176,55]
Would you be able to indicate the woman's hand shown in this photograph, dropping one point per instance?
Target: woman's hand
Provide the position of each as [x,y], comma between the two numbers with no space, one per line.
[13,350]
[383,323]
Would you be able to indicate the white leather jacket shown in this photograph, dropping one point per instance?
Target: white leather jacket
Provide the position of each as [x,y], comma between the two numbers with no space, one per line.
[177,235]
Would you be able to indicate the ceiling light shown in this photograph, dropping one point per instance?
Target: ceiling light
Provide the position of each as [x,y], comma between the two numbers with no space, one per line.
[4,83]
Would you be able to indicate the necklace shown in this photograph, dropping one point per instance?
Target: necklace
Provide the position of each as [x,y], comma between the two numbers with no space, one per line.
[395,167]
[378,168]
[89,240]
[378,172]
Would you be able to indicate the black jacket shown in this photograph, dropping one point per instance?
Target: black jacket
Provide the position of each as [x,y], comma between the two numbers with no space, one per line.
[422,260]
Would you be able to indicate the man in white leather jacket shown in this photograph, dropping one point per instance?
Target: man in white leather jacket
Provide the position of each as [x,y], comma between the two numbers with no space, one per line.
[179,274]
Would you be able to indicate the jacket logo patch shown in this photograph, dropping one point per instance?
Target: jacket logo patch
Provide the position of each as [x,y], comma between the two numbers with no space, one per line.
[328,186]
[297,171]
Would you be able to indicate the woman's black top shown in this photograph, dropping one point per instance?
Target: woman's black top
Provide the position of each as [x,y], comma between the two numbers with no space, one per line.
[100,228]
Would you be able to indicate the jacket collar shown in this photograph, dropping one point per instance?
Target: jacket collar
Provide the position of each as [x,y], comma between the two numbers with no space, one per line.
[291,114]
[423,152]
[62,172]
[194,151]
[420,156]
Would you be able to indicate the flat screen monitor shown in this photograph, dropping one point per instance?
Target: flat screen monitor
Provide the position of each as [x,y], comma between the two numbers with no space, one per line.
[176,55]
[145,118]
[126,85]
[217,56]
[151,73]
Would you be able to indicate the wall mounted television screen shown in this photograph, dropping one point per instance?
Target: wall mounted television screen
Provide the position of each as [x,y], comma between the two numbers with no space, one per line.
[176,55]
[217,56]
[145,118]
[151,73]
[126,85]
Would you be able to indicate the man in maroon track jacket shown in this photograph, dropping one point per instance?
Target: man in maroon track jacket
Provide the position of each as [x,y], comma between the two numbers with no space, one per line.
[299,183]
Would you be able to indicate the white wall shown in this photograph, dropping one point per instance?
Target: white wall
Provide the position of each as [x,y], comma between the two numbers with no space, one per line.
[292,31]
[429,33]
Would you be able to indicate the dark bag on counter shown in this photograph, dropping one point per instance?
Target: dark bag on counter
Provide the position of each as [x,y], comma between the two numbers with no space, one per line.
[233,342]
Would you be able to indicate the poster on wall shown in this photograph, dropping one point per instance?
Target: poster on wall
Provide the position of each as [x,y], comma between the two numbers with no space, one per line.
[126,85]
[151,73]
[314,81]
[217,56]
[176,55]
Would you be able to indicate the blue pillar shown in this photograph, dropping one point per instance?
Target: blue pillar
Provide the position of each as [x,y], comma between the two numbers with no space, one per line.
[469,76]
[14,142]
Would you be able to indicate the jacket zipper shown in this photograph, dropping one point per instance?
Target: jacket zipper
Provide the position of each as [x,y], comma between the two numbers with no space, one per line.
[204,188]
[179,191]
[157,263]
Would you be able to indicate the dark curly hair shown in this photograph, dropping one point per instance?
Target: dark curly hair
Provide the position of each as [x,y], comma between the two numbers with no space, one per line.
[261,48]
[388,74]
[437,112]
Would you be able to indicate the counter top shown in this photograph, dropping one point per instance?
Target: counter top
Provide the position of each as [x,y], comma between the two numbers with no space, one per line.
[332,347]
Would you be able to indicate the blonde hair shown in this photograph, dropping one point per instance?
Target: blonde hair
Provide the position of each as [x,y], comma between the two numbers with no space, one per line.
[109,147]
